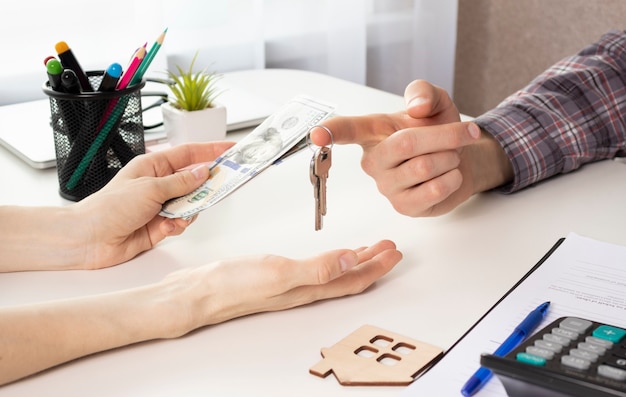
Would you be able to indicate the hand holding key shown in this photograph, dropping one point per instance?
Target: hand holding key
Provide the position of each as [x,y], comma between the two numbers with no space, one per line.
[424,160]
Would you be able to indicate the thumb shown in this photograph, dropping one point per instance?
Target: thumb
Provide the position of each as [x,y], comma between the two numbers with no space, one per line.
[181,182]
[424,99]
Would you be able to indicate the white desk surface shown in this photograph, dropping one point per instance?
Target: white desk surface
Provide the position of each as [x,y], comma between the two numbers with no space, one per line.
[454,268]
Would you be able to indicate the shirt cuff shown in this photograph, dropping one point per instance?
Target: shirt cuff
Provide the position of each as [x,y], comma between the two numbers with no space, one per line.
[533,154]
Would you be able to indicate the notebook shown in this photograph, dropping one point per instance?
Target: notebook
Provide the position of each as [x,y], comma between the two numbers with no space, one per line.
[25,127]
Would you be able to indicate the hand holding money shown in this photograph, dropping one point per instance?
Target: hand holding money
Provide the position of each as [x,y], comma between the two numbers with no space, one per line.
[272,140]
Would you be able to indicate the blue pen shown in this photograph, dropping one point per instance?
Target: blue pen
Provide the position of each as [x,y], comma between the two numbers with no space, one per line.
[521,332]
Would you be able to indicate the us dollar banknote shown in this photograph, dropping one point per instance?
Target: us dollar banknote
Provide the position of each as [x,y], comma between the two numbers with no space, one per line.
[278,136]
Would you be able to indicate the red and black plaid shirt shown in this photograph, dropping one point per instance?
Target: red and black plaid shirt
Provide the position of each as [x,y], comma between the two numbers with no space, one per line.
[573,113]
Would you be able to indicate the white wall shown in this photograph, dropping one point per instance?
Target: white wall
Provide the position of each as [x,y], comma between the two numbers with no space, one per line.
[381,43]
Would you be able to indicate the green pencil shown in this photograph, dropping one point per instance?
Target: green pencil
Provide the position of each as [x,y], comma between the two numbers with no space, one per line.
[149,57]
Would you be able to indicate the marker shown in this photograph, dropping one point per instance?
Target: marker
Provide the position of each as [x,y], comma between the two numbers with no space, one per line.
[521,332]
[69,81]
[69,61]
[111,77]
[67,109]
[99,163]
[121,149]
[72,110]
[54,70]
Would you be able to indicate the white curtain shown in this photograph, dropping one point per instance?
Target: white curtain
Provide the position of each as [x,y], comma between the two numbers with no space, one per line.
[381,43]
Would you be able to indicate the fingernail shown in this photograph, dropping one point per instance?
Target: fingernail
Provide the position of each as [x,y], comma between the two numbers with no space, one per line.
[473,129]
[347,261]
[417,101]
[199,172]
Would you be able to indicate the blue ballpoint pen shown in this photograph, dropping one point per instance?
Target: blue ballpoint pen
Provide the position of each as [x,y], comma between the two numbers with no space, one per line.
[521,332]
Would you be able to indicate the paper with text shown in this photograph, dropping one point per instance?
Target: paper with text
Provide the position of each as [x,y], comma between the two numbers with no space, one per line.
[583,277]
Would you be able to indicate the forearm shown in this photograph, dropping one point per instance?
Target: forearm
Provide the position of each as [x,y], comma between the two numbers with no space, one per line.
[570,115]
[40,336]
[39,238]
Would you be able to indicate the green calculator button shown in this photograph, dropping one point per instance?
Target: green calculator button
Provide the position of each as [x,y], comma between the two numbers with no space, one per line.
[609,333]
[530,359]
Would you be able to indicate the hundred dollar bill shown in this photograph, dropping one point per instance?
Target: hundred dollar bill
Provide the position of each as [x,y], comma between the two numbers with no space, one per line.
[278,136]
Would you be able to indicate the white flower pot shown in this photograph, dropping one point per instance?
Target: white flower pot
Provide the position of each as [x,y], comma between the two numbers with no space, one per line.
[182,126]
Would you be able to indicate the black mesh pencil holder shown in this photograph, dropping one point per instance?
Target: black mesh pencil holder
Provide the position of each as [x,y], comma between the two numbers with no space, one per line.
[95,135]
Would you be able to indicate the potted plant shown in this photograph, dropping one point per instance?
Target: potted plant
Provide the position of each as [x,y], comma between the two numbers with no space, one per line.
[191,113]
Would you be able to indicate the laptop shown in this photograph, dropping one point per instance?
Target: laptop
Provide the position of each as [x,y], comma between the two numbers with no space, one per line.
[25,127]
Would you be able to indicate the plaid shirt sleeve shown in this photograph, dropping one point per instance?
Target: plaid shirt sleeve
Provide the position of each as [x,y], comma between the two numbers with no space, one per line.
[573,113]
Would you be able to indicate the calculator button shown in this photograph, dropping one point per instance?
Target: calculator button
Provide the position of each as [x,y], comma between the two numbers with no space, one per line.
[609,333]
[575,362]
[612,372]
[543,353]
[584,354]
[530,359]
[565,333]
[590,347]
[600,342]
[555,347]
[575,324]
[561,340]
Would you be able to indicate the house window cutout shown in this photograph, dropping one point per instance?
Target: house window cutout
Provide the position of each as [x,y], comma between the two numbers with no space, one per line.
[381,340]
[366,352]
[403,348]
[388,359]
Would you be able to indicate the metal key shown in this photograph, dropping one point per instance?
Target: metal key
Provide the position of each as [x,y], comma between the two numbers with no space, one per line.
[320,165]
[315,181]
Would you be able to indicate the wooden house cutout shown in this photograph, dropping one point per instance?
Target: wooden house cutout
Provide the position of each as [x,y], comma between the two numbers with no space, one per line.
[373,356]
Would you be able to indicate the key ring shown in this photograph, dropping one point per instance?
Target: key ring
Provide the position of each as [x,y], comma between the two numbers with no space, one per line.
[308,137]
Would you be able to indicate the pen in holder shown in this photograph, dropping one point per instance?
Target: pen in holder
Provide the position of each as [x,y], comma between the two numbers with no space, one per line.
[95,135]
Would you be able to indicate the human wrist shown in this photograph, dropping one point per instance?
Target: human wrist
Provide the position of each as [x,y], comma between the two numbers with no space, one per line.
[66,238]
[202,296]
[492,167]
[40,238]
[74,224]
[161,310]
[184,300]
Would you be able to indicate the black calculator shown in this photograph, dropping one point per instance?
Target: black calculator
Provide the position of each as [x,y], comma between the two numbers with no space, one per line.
[571,356]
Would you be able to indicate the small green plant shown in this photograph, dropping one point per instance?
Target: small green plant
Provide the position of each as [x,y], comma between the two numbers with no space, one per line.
[193,91]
